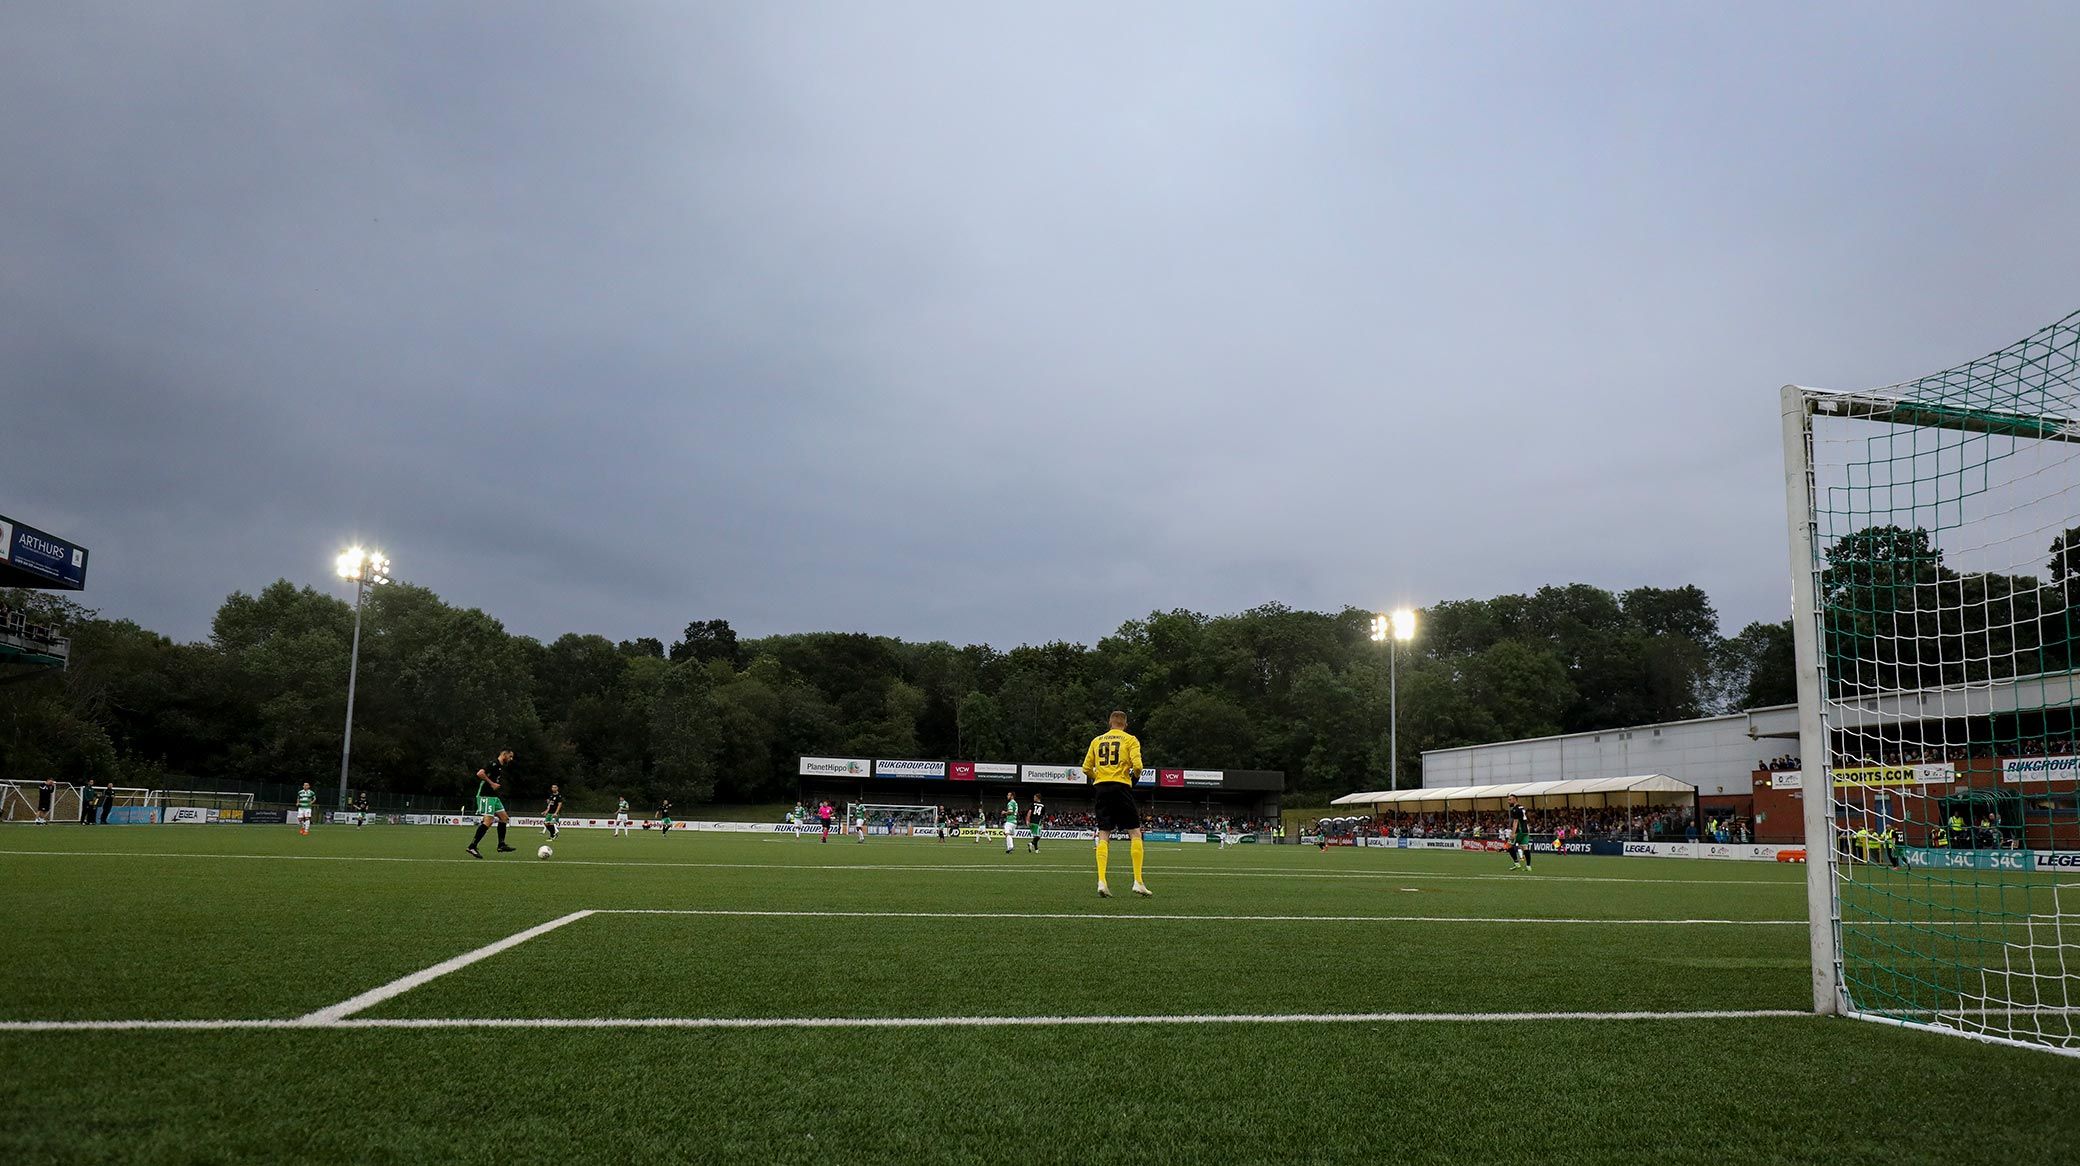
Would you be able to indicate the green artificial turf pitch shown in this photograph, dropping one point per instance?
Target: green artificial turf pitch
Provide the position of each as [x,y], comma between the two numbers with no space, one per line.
[258,923]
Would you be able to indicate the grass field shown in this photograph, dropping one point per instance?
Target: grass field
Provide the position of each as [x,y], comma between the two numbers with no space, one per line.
[734,998]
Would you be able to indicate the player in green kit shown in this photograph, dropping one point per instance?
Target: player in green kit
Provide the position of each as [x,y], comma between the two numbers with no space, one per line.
[306,800]
[491,807]
[1033,820]
[1010,821]
[552,813]
[1519,835]
[620,818]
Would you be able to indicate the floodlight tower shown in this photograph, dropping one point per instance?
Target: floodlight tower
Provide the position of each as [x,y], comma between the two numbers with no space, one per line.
[365,569]
[1398,628]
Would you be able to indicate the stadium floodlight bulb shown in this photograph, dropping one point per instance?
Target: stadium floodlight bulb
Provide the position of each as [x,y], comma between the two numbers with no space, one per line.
[1379,629]
[1404,625]
[349,563]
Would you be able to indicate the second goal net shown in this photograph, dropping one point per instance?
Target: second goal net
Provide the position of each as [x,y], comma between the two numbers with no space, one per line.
[893,819]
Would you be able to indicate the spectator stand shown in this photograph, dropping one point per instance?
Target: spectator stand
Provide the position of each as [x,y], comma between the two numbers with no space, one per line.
[1645,807]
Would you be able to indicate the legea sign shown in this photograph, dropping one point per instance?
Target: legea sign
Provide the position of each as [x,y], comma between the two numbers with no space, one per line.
[836,767]
[2020,769]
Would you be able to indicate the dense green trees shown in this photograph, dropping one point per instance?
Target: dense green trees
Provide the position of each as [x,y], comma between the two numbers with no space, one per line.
[713,716]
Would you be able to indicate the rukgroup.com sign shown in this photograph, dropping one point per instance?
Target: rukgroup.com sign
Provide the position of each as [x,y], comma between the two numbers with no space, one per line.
[2020,769]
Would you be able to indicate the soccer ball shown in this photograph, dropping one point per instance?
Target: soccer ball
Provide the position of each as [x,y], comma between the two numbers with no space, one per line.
[544,852]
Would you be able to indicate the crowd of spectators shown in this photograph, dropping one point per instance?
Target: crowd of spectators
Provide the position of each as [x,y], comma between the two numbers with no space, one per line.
[1671,824]
[1876,753]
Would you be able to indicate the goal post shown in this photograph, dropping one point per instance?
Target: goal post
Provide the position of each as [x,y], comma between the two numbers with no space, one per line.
[901,817]
[1934,538]
[19,800]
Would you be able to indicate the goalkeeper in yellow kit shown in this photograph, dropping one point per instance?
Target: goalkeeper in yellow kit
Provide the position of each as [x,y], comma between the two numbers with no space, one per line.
[1112,762]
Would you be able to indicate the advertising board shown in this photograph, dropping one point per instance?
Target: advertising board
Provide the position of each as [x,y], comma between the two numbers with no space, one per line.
[2015,770]
[1941,859]
[51,560]
[911,769]
[836,767]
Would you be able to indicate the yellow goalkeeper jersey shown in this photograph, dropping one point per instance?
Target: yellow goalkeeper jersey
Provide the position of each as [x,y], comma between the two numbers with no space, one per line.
[1114,755]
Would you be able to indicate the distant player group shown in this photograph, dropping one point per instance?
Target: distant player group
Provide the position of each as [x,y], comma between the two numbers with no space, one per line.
[1111,763]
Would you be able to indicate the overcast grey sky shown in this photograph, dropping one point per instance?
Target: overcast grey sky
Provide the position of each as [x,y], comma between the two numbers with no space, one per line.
[987,322]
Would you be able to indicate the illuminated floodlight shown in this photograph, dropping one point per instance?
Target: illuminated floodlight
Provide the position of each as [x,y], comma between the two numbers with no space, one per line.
[363,566]
[1404,625]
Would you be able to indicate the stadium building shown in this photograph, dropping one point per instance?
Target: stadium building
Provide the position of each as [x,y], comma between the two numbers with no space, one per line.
[1996,757]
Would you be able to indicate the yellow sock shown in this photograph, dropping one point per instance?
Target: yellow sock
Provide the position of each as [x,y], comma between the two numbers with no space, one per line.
[1135,850]
[1104,852]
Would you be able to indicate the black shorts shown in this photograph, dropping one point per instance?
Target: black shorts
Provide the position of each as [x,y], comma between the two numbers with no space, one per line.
[1112,804]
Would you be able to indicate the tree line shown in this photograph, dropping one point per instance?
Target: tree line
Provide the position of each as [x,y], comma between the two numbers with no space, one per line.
[712,716]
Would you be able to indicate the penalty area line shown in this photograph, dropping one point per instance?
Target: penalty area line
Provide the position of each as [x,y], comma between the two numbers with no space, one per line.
[403,984]
[743,1022]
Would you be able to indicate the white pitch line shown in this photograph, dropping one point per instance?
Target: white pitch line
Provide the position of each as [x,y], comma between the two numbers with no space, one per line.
[403,984]
[1026,868]
[1081,915]
[739,1022]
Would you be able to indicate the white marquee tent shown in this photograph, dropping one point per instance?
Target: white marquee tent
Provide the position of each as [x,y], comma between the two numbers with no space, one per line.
[1649,789]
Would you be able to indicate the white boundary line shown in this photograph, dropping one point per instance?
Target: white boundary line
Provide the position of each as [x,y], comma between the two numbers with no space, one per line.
[1018,867]
[740,1022]
[1126,918]
[403,984]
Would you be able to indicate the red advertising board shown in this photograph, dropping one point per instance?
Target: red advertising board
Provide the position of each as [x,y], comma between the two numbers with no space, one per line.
[1170,778]
[960,771]
[1482,844]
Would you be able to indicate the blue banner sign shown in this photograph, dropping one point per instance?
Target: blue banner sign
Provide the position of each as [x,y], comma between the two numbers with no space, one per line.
[52,561]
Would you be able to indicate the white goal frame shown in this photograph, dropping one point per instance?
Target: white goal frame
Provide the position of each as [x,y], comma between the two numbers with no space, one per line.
[18,800]
[1826,852]
[906,814]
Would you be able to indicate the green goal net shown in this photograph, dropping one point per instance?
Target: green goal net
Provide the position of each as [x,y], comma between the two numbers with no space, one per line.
[1935,535]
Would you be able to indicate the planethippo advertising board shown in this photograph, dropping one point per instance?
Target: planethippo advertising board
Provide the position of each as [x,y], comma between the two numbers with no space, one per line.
[836,767]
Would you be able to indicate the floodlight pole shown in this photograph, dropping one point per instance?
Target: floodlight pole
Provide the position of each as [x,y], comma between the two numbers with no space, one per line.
[1393,716]
[367,569]
[1393,629]
[346,746]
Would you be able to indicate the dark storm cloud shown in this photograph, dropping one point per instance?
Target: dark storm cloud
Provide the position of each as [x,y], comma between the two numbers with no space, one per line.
[952,322]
